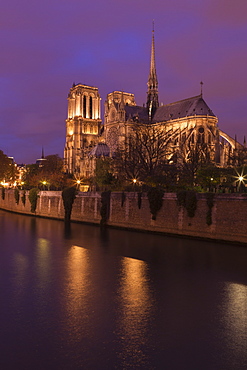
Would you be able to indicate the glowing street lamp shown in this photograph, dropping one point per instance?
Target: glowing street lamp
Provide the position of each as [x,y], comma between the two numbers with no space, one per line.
[134,184]
[240,180]
[44,183]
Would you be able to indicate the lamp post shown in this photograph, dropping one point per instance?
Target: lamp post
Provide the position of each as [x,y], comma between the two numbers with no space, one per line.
[78,182]
[44,183]
[134,184]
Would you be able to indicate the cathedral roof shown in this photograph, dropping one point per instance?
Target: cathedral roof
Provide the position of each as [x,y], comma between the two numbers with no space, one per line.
[136,112]
[183,108]
[187,107]
[101,149]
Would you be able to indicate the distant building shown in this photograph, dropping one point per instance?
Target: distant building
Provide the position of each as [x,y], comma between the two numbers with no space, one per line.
[187,123]
[40,161]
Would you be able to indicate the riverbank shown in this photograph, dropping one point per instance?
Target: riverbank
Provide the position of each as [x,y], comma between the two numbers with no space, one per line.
[225,221]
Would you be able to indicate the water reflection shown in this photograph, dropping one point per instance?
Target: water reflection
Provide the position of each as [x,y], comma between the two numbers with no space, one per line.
[135,304]
[235,317]
[20,266]
[77,293]
[127,300]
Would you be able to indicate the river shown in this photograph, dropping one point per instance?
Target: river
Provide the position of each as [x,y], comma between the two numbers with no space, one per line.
[90,299]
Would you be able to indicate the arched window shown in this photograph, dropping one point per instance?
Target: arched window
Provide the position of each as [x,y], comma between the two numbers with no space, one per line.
[84,106]
[91,107]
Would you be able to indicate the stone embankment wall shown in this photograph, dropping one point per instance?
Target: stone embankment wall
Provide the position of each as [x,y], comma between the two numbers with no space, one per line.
[229,213]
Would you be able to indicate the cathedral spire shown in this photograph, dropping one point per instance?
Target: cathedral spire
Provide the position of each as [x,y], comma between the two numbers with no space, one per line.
[152,94]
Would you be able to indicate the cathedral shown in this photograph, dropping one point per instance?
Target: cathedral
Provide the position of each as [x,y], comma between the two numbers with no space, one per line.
[187,124]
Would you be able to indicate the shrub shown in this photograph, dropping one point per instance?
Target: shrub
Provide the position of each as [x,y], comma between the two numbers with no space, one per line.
[188,200]
[210,204]
[3,193]
[155,196]
[123,198]
[191,203]
[68,196]
[33,197]
[105,207]
[17,196]
[181,198]
[23,198]
[139,201]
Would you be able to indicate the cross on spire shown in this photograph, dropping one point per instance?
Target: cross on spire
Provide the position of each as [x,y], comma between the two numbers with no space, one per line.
[201,83]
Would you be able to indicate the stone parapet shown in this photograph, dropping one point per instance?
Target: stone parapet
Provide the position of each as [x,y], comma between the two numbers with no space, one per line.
[229,213]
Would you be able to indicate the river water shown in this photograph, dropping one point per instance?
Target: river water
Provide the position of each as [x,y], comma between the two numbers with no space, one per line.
[87,299]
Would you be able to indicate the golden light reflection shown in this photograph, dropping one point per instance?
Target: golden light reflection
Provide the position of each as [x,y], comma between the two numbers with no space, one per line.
[237,304]
[235,317]
[43,261]
[77,291]
[135,298]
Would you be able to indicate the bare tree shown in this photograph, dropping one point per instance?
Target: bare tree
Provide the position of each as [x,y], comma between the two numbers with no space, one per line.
[144,153]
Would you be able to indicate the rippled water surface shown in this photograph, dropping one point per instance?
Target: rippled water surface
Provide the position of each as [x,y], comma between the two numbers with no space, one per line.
[86,299]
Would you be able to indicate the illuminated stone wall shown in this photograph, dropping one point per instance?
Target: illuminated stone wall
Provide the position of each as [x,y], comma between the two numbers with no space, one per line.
[83,126]
[229,221]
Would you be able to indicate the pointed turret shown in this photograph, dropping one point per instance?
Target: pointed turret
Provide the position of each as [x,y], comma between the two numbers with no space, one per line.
[152,94]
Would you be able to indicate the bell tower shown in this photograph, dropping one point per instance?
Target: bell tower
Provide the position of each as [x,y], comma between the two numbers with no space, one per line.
[83,125]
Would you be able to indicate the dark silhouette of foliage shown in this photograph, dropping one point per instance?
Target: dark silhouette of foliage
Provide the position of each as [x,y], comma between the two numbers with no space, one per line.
[68,196]
[23,198]
[33,198]
[103,172]
[155,197]
[188,200]
[17,196]
[105,207]
[7,168]
[210,204]
[123,198]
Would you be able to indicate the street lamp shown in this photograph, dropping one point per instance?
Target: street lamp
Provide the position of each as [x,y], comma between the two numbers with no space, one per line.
[134,184]
[240,180]
[44,183]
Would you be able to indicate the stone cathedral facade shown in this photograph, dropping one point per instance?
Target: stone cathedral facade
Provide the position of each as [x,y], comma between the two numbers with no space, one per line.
[187,123]
[83,126]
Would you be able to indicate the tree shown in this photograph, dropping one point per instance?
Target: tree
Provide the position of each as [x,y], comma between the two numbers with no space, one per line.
[103,172]
[144,153]
[208,176]
[50,175]
[7,168]
[191,158]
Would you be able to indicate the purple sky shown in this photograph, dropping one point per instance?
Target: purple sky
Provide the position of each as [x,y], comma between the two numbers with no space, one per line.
[47,45]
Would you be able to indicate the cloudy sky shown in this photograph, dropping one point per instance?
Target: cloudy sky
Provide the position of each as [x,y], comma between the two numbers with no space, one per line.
[47,45]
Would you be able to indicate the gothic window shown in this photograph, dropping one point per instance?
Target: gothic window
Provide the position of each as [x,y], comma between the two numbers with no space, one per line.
[91,129]
[192,139]
[91,107]
[201,138]
[84,106]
